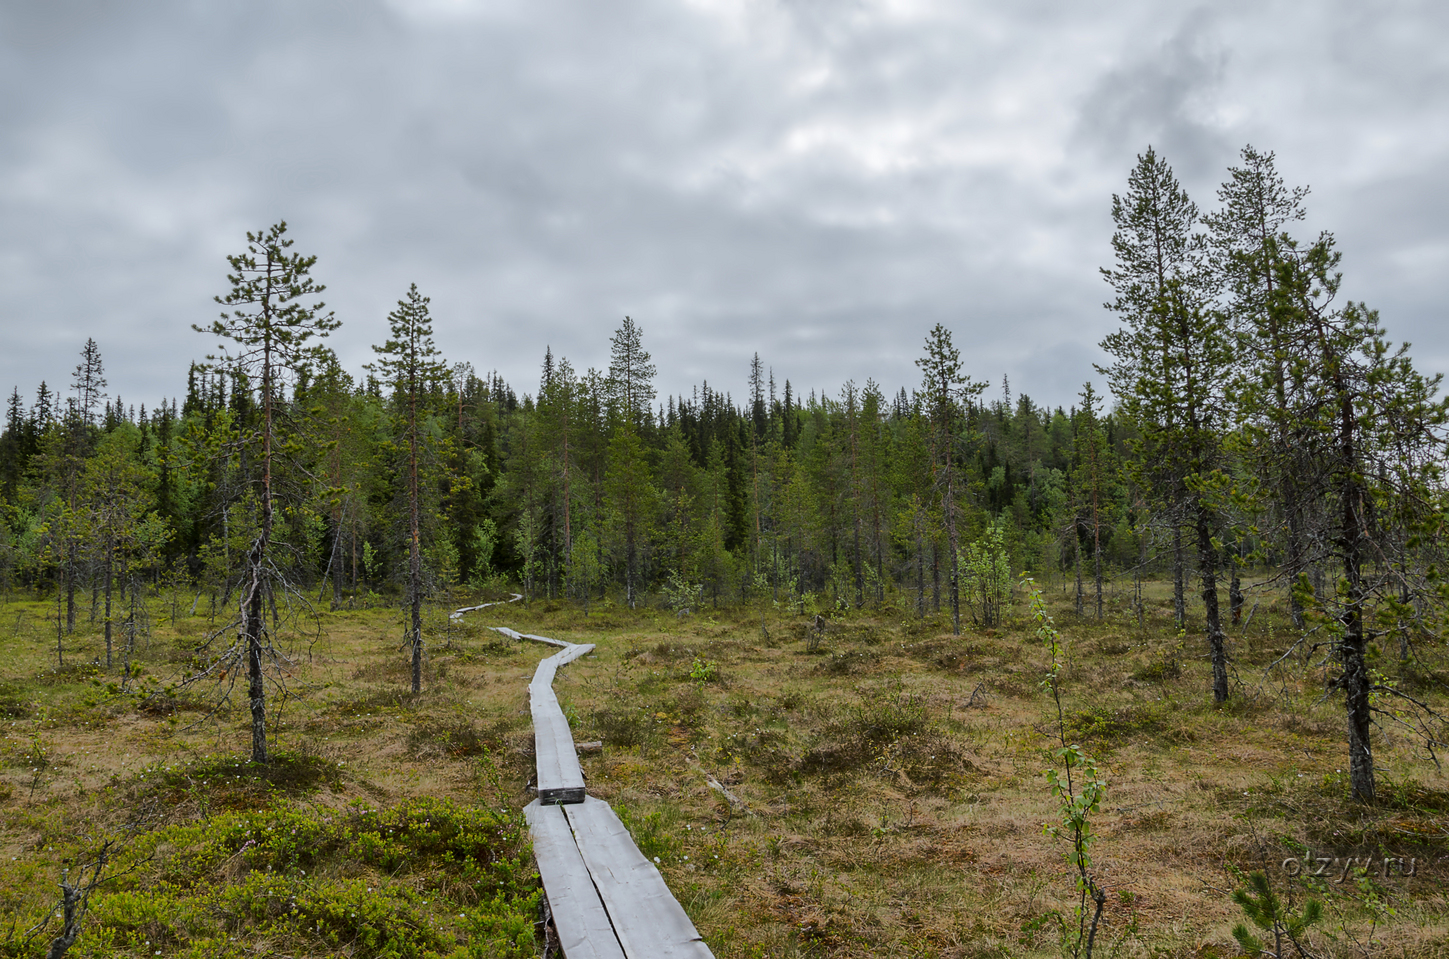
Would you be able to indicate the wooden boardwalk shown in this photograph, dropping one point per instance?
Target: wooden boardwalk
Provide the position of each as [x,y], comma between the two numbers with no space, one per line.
[607,900]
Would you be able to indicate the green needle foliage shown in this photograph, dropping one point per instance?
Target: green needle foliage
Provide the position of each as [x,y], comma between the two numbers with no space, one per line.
[268,322]
[415,369]
[1260,903]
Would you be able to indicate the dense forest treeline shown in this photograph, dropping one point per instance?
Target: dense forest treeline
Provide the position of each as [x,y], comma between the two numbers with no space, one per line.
[823,495]
[1260,424]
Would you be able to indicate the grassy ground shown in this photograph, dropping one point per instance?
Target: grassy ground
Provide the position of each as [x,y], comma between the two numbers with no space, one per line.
[888,786]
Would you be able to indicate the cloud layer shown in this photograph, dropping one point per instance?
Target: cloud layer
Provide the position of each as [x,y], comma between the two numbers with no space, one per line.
[818,182]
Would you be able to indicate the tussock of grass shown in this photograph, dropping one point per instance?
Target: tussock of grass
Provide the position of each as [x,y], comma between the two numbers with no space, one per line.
[228,782]
[1108,727]
[456,738]
[847,662]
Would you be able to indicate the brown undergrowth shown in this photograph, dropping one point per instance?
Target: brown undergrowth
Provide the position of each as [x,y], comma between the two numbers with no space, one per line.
[887,783]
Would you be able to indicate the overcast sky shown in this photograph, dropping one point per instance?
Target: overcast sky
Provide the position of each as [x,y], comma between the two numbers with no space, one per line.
[818,181]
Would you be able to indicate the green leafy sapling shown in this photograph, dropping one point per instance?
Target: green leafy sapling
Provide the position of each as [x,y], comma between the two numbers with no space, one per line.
[1079,788]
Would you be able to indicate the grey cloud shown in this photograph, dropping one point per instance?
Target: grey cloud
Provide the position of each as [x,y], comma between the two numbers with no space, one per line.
[1163,98]
[816,182]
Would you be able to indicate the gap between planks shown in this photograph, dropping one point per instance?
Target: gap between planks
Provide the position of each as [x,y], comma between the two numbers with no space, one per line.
[608,901]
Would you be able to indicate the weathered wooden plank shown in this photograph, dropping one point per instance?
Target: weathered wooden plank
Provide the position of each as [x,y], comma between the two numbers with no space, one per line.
[507,632]
[547,669]
[560,778]
[545,639]
[543,674]
[646,917]
[573,652]
[458,613]
[584,930]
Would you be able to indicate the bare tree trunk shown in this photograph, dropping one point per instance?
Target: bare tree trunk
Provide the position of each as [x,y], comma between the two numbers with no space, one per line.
[1295,557]
[1353,648]
[1097,554]
[879,556]
[332,573]
[1137,580]
[859,571]
[1405,597]
[951,545]
[110,580]
[257,571]
[1235,587]
[415,555]
[59,628]
[1077,564]
[352,544]
[70,564]
[256,688]
[629,563]
[1179,578]
[128,584]
[74,900]
[935,578]
[920,569]
[1207,572]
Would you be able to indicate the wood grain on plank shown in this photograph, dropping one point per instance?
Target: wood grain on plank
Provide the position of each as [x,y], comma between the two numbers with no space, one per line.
[584,929]
[649,921]
[560,778]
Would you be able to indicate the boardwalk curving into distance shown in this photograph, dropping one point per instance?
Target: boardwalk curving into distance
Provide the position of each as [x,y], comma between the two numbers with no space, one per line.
[607,900]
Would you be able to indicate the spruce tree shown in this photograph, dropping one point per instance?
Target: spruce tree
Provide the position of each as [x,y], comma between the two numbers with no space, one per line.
[89,382]
[944,389]
[631,375]
[412,364]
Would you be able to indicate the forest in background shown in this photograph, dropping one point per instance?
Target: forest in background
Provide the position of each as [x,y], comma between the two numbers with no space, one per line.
[1261,426]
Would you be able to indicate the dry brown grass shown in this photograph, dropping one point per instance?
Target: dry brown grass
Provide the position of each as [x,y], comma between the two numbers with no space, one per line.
[893,781]
[890,815]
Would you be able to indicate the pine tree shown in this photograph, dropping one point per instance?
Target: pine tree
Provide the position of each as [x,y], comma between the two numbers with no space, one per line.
[1374,429]
[1172,360]
[269,324]
[1155,245]
[1247,235]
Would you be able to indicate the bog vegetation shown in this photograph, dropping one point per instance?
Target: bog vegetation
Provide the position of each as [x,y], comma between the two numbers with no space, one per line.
[240,721]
